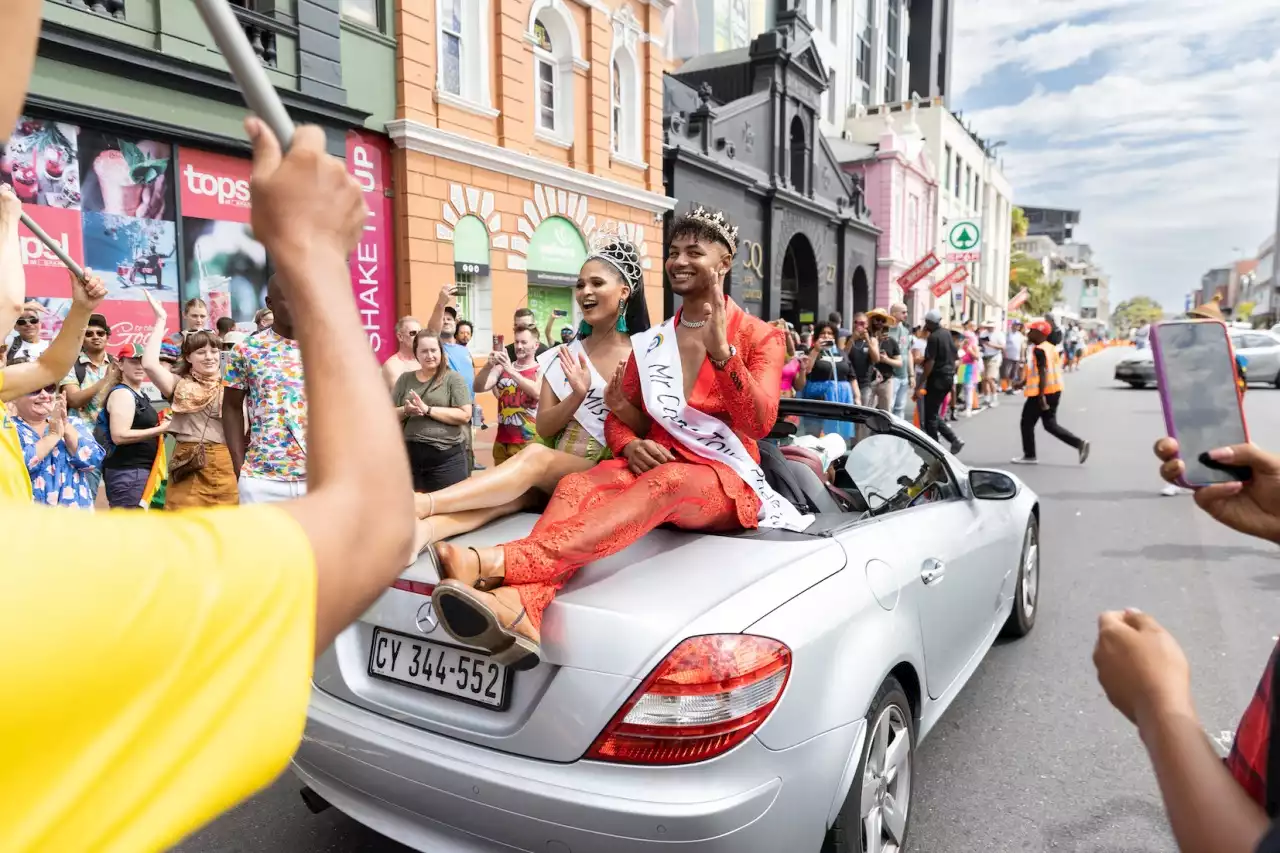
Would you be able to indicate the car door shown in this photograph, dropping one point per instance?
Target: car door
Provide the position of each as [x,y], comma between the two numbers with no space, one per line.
[943,546]
[1262,353]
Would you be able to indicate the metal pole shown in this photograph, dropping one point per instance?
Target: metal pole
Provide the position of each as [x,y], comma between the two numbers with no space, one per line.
[245,67]
[53,246]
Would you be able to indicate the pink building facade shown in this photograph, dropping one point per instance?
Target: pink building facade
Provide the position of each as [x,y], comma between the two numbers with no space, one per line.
[902,194]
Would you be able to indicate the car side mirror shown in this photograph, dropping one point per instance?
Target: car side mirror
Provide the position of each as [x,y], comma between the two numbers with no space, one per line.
[992,485]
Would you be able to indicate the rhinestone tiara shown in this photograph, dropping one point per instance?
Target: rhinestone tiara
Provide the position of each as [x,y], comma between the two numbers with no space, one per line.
[718,222]
[617,251]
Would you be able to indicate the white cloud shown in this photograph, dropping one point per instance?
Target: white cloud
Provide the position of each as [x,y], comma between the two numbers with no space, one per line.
[1170,153]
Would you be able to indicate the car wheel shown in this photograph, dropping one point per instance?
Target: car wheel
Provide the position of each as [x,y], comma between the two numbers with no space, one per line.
[1026,595]
[877,811]
[1137,384]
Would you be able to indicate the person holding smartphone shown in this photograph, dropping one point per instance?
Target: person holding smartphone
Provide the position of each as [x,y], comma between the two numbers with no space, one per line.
[828,376]
[1213,806]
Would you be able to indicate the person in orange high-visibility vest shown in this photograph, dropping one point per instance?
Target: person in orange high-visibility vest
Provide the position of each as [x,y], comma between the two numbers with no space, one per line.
[1044,392]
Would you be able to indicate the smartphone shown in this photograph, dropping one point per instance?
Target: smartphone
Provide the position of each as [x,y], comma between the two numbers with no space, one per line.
[1196,371]
[559,312]
[498,343]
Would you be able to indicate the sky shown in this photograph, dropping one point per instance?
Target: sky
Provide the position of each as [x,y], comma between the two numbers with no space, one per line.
[1158,119]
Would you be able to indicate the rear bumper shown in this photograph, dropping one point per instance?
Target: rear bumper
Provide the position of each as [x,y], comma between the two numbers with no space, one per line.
[1136,373]
[433,793]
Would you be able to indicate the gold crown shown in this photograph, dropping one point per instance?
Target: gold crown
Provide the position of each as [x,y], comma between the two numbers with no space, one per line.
[718,222]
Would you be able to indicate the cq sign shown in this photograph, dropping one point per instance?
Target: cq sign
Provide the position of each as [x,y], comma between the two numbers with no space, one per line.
[753,257]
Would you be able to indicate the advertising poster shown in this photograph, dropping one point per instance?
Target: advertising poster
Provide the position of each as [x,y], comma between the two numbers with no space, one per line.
[128,227]
[372,263]
[224,265]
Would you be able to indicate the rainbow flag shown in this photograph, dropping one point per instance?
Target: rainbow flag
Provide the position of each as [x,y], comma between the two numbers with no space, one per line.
[153,493]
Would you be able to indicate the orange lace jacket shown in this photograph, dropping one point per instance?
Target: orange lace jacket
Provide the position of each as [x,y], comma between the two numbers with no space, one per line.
[744,395]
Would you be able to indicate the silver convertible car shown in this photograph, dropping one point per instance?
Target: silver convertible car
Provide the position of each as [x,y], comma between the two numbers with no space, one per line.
[746,693]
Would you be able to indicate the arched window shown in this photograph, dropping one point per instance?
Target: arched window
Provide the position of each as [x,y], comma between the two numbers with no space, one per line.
[462,33]
[799,155]
[553,33]
[624,107]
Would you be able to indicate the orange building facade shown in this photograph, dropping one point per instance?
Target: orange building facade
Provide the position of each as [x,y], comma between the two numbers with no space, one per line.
[524,128]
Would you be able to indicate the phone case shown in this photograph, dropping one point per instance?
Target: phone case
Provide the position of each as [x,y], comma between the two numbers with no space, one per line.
[1163,388]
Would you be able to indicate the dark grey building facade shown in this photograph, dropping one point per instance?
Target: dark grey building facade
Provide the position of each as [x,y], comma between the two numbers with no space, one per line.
[742,135]
[1055,223]
[929,48]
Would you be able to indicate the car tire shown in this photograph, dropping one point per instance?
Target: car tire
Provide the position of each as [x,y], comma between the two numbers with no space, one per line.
[1026,593]
[892,710]
[1138,385]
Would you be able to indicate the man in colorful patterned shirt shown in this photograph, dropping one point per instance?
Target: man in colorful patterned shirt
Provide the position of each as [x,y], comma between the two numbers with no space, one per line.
[516,387]
[267,370]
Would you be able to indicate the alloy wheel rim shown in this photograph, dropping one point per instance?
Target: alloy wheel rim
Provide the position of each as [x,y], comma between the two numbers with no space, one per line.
[1030,579]
[886,784]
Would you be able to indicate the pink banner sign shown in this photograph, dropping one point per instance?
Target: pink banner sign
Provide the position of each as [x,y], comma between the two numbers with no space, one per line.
[922,268]
[373,262]
[1023,296]
[214,186]
[959,275]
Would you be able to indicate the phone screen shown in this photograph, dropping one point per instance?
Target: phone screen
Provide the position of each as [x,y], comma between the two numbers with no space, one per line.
[1197,374]
[498,343]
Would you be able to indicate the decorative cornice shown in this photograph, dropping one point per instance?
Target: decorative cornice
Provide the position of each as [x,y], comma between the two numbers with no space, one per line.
[416,136]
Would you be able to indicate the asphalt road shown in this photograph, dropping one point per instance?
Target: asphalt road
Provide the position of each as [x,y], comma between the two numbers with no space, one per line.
[1030,757]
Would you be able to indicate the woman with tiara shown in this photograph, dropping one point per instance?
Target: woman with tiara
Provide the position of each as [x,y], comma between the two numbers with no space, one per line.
[574,403]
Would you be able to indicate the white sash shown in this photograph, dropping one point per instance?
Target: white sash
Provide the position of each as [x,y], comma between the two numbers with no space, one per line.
[593,411]
[662,381]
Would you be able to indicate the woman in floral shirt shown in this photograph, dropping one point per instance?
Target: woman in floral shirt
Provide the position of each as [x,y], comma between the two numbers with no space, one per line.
[58,449]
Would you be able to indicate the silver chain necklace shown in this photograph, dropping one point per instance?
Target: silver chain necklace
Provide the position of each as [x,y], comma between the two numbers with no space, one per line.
[692,325]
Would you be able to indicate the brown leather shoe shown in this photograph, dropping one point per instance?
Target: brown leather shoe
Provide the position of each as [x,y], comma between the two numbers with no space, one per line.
[480,569]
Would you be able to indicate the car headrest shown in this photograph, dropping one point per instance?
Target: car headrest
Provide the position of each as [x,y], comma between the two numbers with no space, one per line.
[808,457]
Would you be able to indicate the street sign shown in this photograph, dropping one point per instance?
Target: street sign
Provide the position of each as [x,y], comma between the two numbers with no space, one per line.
[964,242]
[922,268]
[1021,297]
[959,275]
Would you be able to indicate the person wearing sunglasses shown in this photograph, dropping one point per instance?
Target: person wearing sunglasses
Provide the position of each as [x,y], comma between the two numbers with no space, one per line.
[58,447]
[26,344]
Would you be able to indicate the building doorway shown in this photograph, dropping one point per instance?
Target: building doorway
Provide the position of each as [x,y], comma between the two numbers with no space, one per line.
[799,297]
[861,292]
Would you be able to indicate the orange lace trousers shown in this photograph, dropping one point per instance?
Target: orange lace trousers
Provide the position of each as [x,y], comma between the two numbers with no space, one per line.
[599,512]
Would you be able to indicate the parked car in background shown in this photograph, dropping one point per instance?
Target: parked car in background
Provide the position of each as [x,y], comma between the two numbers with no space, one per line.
[755,692]
[1261,350]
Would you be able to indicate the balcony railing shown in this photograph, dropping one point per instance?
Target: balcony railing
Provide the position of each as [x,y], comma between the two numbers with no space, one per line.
[261,31]
[114,8]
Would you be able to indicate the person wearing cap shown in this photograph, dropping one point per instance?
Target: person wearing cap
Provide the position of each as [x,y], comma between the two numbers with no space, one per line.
[134,428]
[1043,394]
[937,378]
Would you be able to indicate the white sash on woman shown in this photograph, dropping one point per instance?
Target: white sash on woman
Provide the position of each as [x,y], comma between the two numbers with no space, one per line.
[593,410]
[662,381]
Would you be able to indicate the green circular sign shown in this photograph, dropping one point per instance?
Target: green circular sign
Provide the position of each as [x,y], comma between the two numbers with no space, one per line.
[965,236]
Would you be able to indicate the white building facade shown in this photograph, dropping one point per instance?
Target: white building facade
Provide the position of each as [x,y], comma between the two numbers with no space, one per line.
[864,44]
[972,187]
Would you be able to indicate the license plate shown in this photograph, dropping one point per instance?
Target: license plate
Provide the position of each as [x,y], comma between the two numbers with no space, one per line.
[452,671]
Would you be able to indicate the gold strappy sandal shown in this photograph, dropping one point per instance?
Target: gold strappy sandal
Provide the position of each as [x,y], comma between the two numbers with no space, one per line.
[469,616]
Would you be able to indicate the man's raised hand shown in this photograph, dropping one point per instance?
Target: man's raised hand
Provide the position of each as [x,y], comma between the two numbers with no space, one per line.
[88,293]
[715,335]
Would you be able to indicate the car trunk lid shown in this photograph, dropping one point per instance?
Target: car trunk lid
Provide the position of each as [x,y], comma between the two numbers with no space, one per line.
[605,631]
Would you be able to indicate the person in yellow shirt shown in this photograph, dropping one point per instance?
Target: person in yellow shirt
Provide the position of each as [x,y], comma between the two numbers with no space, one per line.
[53,364]
[157,665]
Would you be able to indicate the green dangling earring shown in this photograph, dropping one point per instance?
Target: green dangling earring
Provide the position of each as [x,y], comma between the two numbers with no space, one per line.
[622,317]
[584,329]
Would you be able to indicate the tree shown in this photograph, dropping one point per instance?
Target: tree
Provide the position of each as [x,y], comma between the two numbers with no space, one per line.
[1020,224]
[1042,293]
[1244,310]
[1133,312]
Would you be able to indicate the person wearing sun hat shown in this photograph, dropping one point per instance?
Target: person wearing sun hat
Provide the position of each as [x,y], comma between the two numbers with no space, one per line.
[886,356]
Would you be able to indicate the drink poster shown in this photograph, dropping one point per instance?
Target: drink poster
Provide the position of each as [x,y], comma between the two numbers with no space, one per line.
[128,222]
[224,265]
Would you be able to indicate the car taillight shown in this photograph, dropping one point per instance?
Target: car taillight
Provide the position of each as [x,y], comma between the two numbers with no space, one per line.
[705,698]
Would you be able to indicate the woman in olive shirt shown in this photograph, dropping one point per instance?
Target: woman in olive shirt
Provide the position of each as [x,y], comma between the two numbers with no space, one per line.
[434,405]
